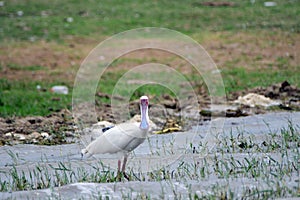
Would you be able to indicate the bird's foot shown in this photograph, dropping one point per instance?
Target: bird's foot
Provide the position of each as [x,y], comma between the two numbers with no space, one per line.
[126,176]
[121,175]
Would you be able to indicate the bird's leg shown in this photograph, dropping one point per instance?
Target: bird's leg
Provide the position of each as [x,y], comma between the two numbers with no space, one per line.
[123,167]
[124,163]
[119,165]
[118,177]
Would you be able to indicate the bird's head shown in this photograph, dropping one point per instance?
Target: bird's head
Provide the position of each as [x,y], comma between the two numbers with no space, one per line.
[144,101]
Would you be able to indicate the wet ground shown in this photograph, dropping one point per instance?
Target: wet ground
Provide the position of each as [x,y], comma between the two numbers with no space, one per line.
[59,127]
[166,151]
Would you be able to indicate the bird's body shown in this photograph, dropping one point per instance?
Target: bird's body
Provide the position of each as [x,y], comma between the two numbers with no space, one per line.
[122,138]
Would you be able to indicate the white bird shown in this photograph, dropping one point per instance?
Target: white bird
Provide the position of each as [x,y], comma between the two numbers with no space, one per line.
[122,138]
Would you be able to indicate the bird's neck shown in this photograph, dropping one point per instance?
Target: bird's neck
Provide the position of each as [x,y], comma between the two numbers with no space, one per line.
[144,118]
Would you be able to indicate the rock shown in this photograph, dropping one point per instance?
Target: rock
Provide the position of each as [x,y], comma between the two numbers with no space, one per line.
[236,113]
[9,121]
[33,120]
[34,141]
[169,104]
[45,135]
[19,136]
[284,86]
[8,135]
[224,111]
[253,100]
[206,113]
[34,135]
[285,92]
[270,3]
[167,97]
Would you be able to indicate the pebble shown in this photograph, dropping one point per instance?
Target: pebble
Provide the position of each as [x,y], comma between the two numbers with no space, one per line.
[45,135]
[253,99]
[34,141]
[70,19]
[270,4]
[10,134]
[20,137]
[34,135]
[20,13]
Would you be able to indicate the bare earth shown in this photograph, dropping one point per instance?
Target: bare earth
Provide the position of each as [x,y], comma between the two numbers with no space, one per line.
[58,61]
[61,61]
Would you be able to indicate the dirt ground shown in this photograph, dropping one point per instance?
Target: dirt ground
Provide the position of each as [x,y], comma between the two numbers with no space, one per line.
[59,127]
[61,62]
[228,50]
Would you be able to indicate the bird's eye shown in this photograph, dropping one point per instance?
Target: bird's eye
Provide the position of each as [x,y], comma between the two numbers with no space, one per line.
[144,101]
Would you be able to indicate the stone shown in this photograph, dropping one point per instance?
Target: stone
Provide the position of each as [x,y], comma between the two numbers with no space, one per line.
[253,100]
[10,134]
[45,135]
[20,137]
[34,135]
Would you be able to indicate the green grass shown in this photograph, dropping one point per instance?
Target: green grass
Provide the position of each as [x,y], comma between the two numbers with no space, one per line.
[238,79]
[234,157]
[47,20]
[23,99]
[244,158]
[25,68]
[42,20]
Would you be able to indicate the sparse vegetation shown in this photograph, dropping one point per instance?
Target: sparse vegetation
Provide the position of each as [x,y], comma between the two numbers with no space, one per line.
[18,98]
[43,44]
[240,38]
[42,20]
[235,158]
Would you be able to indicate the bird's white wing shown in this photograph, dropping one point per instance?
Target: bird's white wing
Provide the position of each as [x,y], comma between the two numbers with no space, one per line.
[122,138]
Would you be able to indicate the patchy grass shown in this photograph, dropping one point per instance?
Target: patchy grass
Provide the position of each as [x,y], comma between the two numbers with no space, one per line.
[253,45]
[25,68]
[24,99]
[269,164]
[240,78]
[21,98]
[56,20]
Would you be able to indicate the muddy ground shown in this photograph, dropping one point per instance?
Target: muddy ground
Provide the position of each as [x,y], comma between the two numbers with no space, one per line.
[61,61]
[59,127]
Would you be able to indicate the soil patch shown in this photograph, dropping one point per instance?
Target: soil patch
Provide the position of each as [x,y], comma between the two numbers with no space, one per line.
[59,128]
[43,61]
[228,50]
[288,94]
[49,130]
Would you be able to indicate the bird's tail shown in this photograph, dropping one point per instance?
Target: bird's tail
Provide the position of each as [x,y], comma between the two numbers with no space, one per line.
[85,153]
